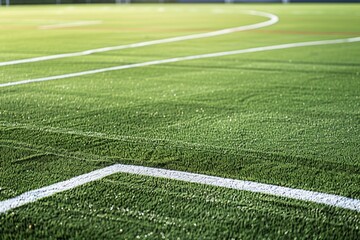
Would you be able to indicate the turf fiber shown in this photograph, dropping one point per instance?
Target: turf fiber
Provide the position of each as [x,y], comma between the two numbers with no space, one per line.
[287,117]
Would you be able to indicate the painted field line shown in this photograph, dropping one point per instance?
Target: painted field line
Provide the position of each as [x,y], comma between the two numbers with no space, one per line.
[299,194]
[272,20]
[178,59]
[69,25]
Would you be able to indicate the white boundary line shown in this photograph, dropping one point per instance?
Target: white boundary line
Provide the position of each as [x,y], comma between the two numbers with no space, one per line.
[31,196]
[186,58]
[298,194]
[69,25]
[272,20]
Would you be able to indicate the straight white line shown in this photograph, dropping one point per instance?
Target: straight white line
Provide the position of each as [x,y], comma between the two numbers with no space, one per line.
[272,20]
[299,194]
[178,59]
[69,25]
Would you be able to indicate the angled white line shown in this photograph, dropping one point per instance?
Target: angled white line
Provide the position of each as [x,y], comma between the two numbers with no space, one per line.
[272,20]
[69,25]
[178,59]
[299,194]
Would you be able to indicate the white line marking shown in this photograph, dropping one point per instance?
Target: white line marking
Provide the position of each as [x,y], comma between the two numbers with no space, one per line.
[69,25]
[299,194]
[178,59]
[272,20]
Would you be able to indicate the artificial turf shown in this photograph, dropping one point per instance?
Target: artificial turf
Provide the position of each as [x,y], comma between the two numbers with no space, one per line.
[288,117]
[135,207]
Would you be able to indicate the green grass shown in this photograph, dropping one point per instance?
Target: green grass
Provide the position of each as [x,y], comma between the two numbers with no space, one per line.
[127,206]
[287,117]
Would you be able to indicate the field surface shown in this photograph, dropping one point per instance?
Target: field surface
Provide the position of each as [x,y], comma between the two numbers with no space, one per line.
[288,117]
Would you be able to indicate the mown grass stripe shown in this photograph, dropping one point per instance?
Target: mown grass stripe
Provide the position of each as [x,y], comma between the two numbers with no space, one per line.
[69,24]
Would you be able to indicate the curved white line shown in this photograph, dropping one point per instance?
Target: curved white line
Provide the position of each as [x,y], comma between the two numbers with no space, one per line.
[172,60]
[272,20]
[298,194]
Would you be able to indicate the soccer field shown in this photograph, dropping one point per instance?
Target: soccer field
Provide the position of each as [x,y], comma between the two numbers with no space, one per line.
[255,108]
